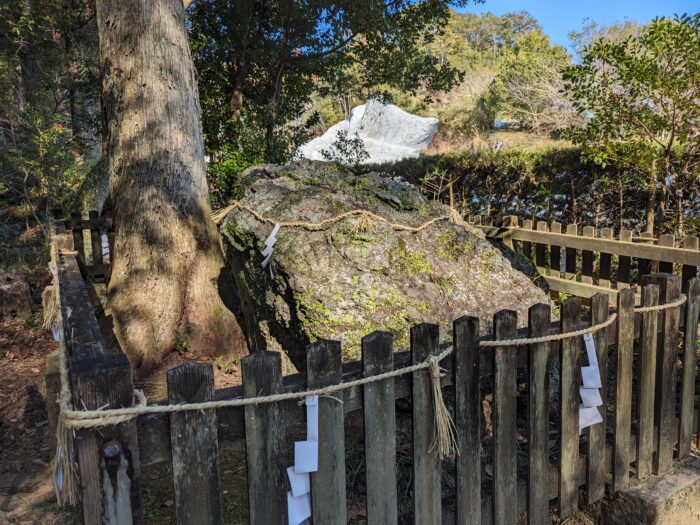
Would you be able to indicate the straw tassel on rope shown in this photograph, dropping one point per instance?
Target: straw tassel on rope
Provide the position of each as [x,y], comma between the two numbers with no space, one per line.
[445,437]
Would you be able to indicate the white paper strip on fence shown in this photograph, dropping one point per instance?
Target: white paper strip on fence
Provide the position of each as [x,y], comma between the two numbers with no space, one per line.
[312,418]
[305,462]
[299,508]
[591,377]
[305,456]
[300,482]
[588,416]
[590,349]
[590,397]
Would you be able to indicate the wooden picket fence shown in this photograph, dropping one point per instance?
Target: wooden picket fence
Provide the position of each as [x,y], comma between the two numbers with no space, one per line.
[649,425]
[582,261]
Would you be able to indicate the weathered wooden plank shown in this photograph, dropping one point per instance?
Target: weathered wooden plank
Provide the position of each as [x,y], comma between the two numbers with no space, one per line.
[595,488]
[587,257]
[76,222]
[195,446]
[624,262]
[467,420]
[688,272]
[79,326]
[380,430]
[324,368]
[668,240]
[527,245]
[623,388]
[427,499]
[541,250]
[570,362]
[624,246]
[666,355]
[539,316]
[647,380]
[504,425]
[265,440]
[690,342]
[605,267]
[579,289]
[95,239]
[570,253]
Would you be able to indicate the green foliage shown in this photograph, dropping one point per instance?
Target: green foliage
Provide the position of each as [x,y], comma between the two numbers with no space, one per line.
[223,174]
[261,62]
[639,96]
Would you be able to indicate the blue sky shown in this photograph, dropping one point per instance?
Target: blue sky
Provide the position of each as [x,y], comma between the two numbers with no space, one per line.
[557,18]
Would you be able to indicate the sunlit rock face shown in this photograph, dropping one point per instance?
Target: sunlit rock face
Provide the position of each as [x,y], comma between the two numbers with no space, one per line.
[385,132]
[353,277]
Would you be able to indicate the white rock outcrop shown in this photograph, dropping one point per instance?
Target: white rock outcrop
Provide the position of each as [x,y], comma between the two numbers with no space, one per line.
[375,133]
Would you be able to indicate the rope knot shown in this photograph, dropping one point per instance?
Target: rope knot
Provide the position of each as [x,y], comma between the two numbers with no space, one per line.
[365,221]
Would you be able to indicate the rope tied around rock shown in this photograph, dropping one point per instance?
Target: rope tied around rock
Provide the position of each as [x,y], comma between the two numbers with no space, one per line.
[366,219]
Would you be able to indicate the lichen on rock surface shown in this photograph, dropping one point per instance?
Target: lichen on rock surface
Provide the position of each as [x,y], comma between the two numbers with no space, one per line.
[352,278]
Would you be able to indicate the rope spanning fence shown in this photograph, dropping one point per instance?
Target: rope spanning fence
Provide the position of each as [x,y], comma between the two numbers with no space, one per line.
[65,477]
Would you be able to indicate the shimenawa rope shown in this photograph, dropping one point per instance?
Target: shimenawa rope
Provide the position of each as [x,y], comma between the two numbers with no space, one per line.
[366,217]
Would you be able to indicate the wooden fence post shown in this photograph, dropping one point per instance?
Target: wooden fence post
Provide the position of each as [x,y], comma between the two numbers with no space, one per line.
[666,356]
[265,440]
[605,269]
[108,457]
[647,379]
[688,272]
[95,237]
[195,446]
[644,266]
[427,501]
[623,389]
[539,317]
[324,368]
[690,338]
[587,258]
[527,245]
[624,263]
[467,420]
[570,254]
[541,250]
[380,430]
[570,362]
[505,475]
[595,481]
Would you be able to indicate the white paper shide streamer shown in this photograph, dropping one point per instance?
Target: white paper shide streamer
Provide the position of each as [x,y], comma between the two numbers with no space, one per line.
[269,245]
[305,462]
[589,413]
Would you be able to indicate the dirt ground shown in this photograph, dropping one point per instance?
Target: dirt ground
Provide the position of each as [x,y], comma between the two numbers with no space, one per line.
[26,494]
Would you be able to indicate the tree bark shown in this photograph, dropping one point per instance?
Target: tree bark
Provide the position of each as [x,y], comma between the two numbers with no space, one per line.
[168,267]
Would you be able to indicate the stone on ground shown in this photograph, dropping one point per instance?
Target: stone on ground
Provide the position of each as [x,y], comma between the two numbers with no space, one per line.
[385,132]
[346,281]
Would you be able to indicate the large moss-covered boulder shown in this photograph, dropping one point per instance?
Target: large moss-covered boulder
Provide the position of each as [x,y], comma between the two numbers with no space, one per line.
[358,275]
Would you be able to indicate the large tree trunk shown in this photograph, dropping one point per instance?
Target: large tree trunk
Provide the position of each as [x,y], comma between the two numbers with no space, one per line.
[167,263]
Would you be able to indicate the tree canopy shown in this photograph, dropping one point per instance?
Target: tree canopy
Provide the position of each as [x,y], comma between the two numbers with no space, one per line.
[643,92]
